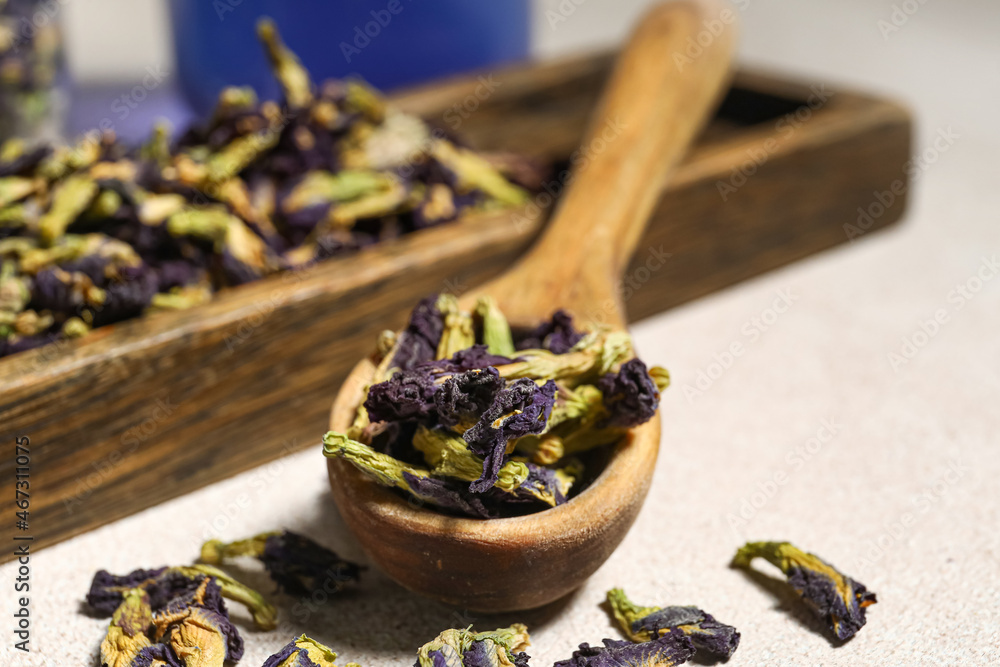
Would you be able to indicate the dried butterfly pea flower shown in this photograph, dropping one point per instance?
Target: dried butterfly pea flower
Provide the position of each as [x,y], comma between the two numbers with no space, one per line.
[180,298]
[834,597]
[594,356]
[126,297]
[15,292]
[665,651]
[557,335]
[391,472]
[292,76]
[641,624]
[107,590]
[496,332]
[304,652]
[437,205]
[296,563]
[245,251]
[458,333]
[519,409]
[545,485]
[197,628]
[473,172]
[69,200]
[449,456]
[630,396]
[72,247]
[16,188]
[264,615]
[322,188]
[419,340]
[462,398]
[166,584]
[126,643]
[406,395]
[503,647]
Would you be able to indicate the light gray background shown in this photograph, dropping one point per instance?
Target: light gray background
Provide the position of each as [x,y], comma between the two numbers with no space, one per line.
[917,442]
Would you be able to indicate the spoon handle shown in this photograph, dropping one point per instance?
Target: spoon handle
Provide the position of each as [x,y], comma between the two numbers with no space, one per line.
[665,83]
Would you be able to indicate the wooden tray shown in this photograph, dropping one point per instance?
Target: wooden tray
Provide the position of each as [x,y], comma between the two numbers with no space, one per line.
[146,410]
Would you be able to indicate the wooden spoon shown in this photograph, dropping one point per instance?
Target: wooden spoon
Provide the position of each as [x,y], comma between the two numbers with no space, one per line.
[664,86]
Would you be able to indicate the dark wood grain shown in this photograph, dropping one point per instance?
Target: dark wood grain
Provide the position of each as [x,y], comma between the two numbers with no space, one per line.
[143,411]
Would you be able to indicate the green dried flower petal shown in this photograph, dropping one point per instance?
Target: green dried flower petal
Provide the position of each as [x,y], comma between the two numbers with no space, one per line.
[15,188]
[292,76]
[15,292]
[180,298]
[375,204]
[592,357]
[452,645]
[495,329]
[384,469]
[363,98]
[660,377]
[458,333]
[70,247]
[69,199]
[228,232]
[475,173]
[238,154]
[154,208]
[324,187]
[157,148]
[449,456]
[74,327]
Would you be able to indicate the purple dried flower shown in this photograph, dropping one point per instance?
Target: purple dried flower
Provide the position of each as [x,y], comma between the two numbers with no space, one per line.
[106,589]
[302,652]
[296,563]
[642,624]
[462,398]
[520,409]
[470,358]
[706,633]
[407,394]
[666,651]
[128,296]
[557,335]
[630,396]
[419,340]
[836,598]
[447,495]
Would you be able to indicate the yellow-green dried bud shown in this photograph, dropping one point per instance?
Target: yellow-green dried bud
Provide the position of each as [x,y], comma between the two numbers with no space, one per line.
[449,456]
[591,358]
[496,330]
[475,173]
[16,188]
[180,298]
[292,76]
[458,333]
[660,377]
[323,187]
[70,198]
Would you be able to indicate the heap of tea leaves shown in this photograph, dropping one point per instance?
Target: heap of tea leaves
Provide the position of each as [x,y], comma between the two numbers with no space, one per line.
[99,232]
[471,418]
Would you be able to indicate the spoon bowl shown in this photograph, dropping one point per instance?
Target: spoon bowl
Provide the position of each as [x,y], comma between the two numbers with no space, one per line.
[657,99]
[493,565]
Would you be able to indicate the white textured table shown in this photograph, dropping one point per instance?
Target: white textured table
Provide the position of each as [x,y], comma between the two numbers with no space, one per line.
[814,434]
